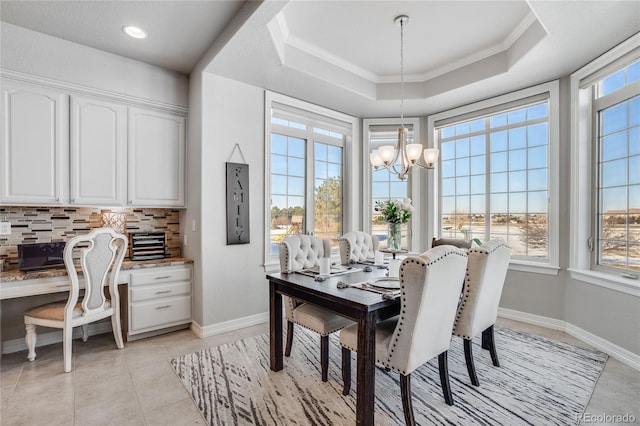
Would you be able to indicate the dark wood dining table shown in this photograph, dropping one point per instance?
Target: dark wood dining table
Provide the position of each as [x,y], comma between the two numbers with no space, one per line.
[362,306]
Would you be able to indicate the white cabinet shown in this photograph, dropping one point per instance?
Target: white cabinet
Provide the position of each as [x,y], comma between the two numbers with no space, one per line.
[34,143]
[61,149]
[98,152]
[159,298]
[156,154]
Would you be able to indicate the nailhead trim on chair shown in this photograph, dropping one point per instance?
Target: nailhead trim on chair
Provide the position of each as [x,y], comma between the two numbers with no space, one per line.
[403,308]
[467,283]
[347,259]
[424,265]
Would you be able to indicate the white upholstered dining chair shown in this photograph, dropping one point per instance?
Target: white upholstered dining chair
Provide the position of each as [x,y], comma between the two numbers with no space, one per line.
[478,310]
[302,252]
[357,246]
[101,254]
[430,287]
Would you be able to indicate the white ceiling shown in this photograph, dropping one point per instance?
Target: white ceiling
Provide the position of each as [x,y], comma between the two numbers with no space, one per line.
[346,54]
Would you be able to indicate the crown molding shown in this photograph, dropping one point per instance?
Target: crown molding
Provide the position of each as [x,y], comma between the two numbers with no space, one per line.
[79,89]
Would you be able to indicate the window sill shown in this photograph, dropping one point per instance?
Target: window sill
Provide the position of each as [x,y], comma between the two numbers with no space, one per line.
[533,267]
[610,281]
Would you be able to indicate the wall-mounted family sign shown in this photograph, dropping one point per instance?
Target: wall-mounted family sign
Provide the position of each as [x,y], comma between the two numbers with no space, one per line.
[237,201]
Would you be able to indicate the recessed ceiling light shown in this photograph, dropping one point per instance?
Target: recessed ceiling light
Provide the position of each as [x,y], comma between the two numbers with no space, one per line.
[134,32]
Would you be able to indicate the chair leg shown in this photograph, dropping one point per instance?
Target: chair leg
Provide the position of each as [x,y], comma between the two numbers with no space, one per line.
[287,350]
[30,339]
[407,405]
[489,343]
[346,371]
[468,356]
[117,330]
[443,366]
[85,332]
[324,357]
[67,342]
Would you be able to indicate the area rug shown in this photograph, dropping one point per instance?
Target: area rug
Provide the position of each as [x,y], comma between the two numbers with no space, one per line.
[539,382]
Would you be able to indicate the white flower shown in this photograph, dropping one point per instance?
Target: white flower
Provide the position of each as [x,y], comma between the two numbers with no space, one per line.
[406,200]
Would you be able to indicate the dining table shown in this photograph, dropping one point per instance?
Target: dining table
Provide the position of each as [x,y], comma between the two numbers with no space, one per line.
[340,294]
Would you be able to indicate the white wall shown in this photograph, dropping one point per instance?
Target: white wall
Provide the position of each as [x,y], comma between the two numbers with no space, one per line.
[233,279]
[42,55]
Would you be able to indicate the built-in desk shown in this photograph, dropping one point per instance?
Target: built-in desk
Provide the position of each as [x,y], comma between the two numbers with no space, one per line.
[155,295]
[16,283]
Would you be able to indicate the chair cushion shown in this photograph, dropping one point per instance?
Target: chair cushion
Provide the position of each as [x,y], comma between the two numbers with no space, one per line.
[55,311]
[384,331]
[318,319]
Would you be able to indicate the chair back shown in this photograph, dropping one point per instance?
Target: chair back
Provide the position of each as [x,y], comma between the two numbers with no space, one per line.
[357,246]
[101,254]
[464,244]
[486,273]
[430,285]
[302,251]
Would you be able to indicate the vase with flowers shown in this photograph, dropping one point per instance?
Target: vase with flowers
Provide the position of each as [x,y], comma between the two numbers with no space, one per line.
[395,213]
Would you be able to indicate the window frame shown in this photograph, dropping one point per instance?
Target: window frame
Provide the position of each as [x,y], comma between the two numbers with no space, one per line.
[494,105]
[583,161]
[348,172]
[414,180]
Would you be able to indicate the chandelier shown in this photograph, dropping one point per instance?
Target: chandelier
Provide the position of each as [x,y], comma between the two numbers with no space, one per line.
[386,157]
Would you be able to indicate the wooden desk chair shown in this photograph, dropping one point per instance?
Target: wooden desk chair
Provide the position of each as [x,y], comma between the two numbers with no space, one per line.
[430,288]
[101,255]
[302,252]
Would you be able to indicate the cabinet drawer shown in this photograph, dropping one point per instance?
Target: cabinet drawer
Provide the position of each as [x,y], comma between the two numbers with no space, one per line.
[159,276]
[151,292]
[156,314]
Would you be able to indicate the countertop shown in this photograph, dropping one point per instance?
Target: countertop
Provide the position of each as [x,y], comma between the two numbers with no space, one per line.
[18,275]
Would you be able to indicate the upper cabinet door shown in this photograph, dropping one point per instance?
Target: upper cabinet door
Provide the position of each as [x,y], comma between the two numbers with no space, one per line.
[98,152]
[34,145]
[156,146]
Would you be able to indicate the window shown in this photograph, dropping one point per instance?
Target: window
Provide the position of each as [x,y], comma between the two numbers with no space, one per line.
[605,151]
[495,167]
[305,173]
[617,153]
[384,185]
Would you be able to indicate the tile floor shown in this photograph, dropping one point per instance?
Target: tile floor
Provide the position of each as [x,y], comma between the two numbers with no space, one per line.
[137,386]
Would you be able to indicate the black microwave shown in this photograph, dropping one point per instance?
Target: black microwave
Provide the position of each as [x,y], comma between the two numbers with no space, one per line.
[38,256]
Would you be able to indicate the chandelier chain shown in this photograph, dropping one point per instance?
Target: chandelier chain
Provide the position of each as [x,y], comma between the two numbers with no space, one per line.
[402,72]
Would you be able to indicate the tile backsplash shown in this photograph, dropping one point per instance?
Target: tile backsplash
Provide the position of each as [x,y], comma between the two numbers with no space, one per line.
[49,224]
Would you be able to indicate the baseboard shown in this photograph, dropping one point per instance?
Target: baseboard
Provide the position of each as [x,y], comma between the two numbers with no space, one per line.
[44,339]
[226,326]
[552,323]
[621,354]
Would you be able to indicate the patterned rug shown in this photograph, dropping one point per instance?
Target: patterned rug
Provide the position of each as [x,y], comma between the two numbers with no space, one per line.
[540,382]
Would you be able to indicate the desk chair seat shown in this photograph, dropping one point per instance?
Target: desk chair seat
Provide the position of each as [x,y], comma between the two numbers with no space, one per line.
[302,252]
[430,287]
[101,254]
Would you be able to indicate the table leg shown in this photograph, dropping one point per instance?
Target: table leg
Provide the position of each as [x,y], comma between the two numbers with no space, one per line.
[275,327]
[366,379]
